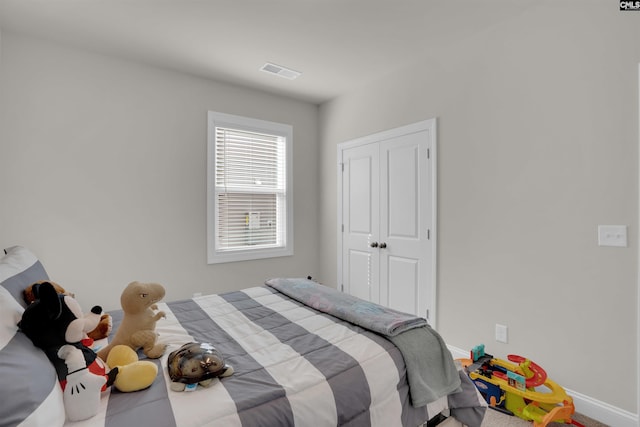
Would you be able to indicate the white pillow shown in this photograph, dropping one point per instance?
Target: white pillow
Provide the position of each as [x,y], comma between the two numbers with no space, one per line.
[34,397]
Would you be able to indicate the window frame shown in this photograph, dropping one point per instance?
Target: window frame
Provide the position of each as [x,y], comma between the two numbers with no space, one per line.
[215,255]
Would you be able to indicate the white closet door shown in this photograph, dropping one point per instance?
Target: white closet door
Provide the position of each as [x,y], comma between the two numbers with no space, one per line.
[361,192]
[387,218]
[404,224]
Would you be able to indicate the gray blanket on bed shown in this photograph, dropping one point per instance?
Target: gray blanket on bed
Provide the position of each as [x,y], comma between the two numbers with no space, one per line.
[371,316]
[431,371]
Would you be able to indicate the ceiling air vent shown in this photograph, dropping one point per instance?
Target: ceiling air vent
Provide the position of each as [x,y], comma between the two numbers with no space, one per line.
[278,70]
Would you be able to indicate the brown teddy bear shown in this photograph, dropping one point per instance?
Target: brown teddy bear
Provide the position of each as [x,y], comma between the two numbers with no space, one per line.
[137,329]
[104,325]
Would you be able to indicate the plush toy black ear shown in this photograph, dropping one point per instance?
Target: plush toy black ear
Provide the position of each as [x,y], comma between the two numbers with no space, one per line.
[46,293]
[40,316]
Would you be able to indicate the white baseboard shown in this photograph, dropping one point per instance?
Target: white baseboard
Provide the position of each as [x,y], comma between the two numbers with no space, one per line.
[592,408]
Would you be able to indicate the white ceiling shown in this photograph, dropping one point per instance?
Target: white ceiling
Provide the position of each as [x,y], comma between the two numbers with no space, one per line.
[336,44]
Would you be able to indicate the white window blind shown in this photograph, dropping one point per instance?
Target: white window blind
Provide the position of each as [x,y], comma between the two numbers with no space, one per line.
[250,188]
[250,202]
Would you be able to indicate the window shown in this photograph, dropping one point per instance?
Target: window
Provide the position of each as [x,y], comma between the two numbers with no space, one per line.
[249,196]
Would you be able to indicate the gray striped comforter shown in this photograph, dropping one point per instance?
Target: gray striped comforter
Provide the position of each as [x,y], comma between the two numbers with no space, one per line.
[293,366]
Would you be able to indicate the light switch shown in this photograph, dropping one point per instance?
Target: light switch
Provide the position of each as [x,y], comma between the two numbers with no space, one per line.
[502,334]
[612,235]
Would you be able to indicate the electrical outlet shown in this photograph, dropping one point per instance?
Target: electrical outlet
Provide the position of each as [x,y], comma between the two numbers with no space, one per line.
[502,333]
[612,235]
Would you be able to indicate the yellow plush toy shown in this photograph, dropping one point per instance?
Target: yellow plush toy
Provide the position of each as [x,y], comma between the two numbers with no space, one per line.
[133,375]
[137,329]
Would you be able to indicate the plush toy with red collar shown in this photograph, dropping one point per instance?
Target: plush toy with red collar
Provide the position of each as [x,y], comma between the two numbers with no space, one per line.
[99,332]
[55,323]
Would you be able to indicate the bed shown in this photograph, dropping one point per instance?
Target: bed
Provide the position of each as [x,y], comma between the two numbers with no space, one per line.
[294,364]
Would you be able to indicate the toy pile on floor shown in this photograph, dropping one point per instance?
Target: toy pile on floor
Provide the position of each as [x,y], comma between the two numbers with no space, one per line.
[511,388]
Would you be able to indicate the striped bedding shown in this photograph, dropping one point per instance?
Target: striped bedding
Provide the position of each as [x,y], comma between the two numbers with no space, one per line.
[30,395]
[293,366]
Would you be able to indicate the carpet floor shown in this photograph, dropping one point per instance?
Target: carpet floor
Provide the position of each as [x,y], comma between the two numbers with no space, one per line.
[494,418]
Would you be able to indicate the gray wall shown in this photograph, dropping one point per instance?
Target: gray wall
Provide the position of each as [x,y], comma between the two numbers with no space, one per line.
[103,172]
[538,144]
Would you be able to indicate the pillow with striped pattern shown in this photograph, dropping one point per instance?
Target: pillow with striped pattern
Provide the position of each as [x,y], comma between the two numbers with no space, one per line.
[34,397]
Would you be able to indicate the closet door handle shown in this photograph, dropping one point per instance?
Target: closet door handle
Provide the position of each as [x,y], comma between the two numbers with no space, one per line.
[383,245]
[373,244]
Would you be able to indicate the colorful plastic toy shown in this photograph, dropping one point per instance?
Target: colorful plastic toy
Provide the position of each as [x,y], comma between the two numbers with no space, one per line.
[510,387]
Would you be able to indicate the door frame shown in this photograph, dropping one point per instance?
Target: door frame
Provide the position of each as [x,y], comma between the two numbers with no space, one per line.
[638,275]
[429,125]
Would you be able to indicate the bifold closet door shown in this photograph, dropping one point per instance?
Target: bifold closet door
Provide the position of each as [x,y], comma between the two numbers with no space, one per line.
[386,220]
[361,216]
[404,264]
